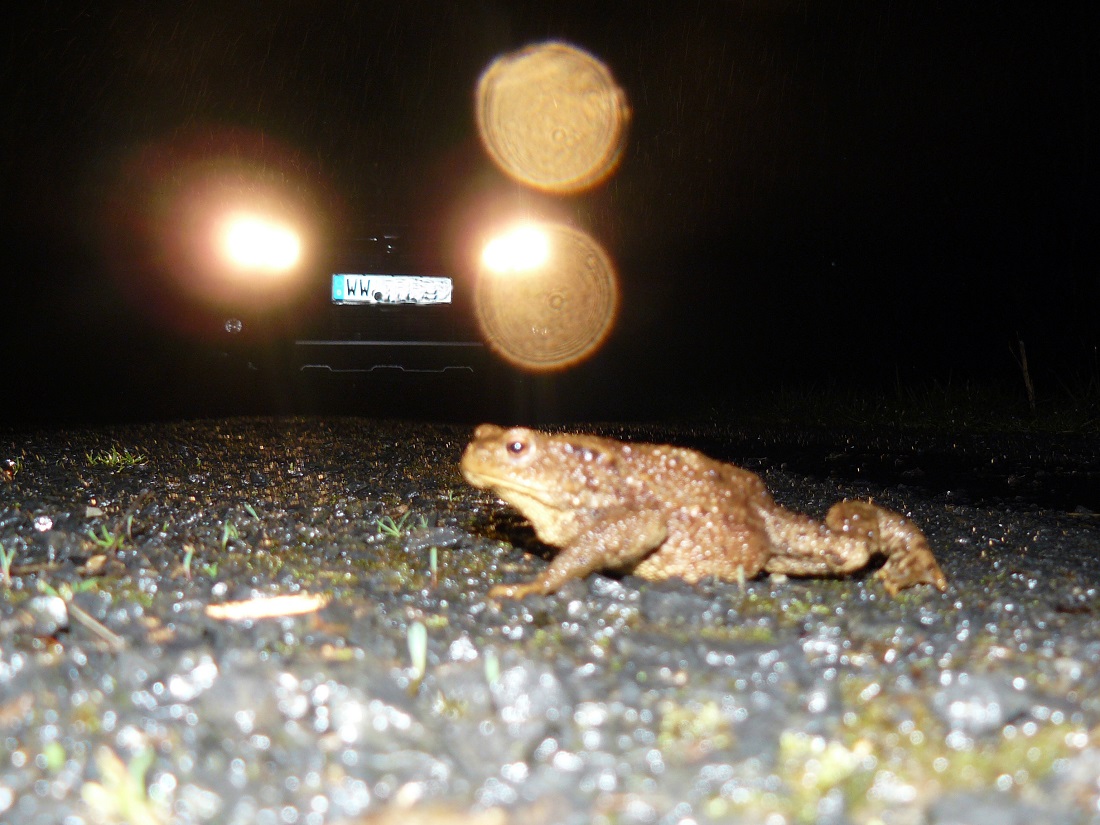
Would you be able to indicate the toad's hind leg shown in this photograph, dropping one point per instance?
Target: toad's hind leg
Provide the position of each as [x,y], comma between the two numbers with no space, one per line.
[853,532]
[909,559]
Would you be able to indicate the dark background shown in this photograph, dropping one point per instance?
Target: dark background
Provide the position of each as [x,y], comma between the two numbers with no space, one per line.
[880,195]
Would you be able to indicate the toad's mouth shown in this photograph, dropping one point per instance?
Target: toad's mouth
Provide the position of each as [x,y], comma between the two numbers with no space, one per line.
[509,489]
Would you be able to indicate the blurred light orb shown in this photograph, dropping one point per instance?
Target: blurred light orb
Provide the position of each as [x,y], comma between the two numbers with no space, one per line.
[553,315]
[207,223]
[254,243]
[520,249]
[552,116]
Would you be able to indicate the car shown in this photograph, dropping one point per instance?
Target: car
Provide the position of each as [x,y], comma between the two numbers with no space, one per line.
[368,305]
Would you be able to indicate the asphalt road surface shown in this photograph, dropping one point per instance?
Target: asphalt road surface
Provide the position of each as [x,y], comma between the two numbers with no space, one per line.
[283,620]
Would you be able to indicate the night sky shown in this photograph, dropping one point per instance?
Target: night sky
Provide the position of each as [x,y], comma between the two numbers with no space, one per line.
[811,192]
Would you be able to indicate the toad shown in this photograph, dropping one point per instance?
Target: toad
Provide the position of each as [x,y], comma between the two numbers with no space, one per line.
[660,512]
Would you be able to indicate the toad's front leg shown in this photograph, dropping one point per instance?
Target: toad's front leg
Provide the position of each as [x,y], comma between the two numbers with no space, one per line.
[622,538]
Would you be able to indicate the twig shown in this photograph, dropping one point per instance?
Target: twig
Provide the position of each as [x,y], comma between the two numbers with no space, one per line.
[267,608]
[113,640]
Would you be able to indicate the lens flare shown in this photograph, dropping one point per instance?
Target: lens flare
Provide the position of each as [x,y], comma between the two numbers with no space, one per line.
[553,315]
[552,117]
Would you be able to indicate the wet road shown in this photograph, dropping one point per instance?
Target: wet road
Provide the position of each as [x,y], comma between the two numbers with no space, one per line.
[365,676]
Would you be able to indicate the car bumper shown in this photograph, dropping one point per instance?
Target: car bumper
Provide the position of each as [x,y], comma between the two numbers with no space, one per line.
[354,356]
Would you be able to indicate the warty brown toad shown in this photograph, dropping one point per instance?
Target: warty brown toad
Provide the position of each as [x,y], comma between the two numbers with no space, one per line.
[660,512]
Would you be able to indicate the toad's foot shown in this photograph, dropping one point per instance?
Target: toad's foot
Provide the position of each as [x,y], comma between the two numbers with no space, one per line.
[909,559]
[917,566]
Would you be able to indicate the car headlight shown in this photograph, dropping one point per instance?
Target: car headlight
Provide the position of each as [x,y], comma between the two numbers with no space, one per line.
[522,248]
[255,243]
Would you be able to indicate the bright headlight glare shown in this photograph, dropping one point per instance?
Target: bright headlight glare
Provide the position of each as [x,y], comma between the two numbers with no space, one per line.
[256,243]
[520,249]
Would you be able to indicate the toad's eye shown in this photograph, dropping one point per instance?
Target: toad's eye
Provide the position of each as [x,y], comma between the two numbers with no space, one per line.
[517,447]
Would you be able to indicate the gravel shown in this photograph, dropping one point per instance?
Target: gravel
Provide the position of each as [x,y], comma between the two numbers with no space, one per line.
[400,693]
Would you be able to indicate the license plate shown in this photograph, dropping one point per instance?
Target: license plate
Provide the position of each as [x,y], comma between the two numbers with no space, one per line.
[390,289]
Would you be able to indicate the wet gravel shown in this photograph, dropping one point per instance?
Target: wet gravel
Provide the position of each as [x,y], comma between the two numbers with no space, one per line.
[125,698]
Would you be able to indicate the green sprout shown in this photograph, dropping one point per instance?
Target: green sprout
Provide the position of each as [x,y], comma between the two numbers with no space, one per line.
[121,794]
[6,558]
[248,508]
[417,638]
[114,458]
[433,564]
[229,533]
[106,540]
[393,529]
[492,669]
[210,569]
[188,554]
[66,591]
